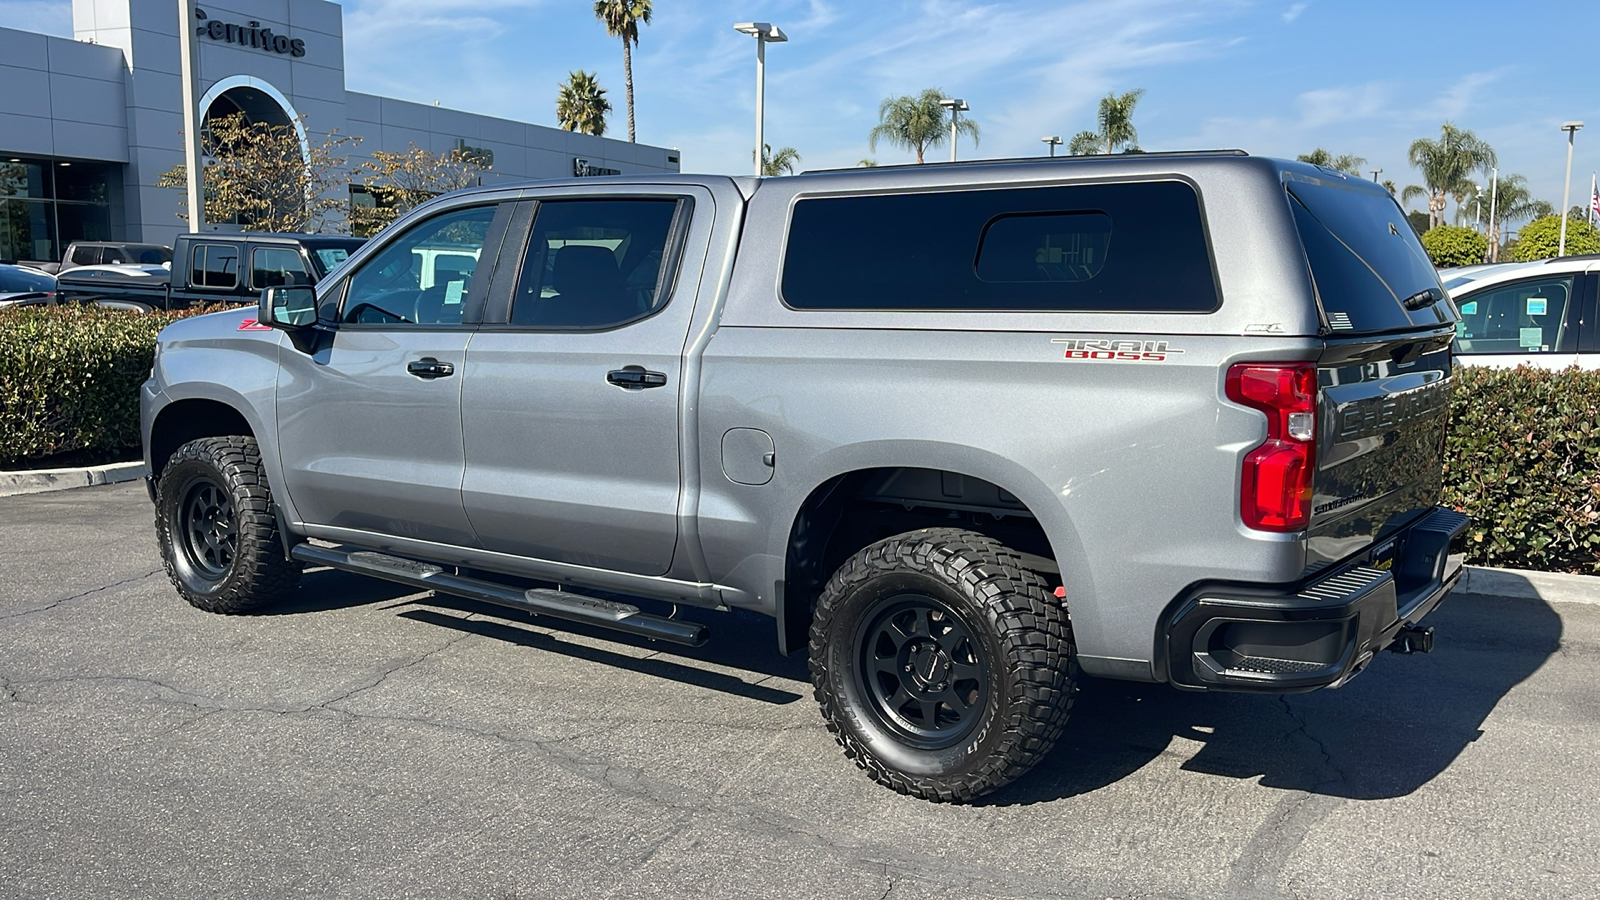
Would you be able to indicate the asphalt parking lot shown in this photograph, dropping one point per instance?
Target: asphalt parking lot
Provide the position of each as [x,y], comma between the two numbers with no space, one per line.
[367,742]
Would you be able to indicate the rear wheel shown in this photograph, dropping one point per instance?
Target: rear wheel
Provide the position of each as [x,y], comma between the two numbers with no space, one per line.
[217,527]
[944,668]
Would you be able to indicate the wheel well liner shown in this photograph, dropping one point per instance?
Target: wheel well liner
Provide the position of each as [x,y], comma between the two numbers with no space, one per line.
[184,421]
[854,509]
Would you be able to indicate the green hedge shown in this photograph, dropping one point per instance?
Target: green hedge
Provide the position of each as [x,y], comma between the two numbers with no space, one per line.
[69,381]
[1524,463]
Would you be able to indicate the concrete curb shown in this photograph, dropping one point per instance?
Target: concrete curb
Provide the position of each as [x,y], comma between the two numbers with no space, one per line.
[41,480]
[1523,585]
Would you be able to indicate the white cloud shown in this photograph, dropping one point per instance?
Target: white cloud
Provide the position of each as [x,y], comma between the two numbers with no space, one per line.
[1294,11]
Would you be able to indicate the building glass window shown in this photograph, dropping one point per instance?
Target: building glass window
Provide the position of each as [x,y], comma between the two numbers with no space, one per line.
[47,204]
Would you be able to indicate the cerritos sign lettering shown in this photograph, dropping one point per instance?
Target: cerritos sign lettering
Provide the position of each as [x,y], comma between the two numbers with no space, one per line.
[251,35]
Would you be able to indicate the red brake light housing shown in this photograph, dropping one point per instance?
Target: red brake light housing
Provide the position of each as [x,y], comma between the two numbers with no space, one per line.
[1275,491]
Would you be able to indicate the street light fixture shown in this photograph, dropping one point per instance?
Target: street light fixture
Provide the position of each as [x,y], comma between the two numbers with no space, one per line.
[1571,128]
[1375,174]
[956,107]
[765,33]
[1054,141]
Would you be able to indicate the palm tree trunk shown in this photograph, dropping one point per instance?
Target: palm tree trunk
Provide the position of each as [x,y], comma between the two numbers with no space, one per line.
[627,77]
[919,154]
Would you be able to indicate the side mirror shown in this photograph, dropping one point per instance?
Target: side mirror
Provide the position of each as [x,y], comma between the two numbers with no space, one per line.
[290,308]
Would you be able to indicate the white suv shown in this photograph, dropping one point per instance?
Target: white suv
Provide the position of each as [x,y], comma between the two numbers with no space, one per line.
[1540,314]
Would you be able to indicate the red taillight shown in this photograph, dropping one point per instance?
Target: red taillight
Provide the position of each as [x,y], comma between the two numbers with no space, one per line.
[1275,492]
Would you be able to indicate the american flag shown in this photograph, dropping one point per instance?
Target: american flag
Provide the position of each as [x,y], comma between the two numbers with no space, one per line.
[1594,200]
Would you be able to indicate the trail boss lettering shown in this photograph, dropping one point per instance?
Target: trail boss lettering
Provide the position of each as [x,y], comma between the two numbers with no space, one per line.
[1116,350]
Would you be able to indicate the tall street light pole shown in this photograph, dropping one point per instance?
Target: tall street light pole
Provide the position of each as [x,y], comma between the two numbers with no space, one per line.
[1493,253]
[189,65]
[1571,128]
[764,33]
[1375,174]
[1054,141]
[956,107]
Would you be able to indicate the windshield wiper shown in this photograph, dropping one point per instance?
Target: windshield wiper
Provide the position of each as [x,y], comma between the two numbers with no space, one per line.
[1425,297]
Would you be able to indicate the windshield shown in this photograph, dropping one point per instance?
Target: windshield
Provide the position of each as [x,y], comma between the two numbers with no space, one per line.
[23,281]
[1370,271]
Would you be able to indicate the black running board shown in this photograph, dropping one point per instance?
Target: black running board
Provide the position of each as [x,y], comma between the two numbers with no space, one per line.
[602,613]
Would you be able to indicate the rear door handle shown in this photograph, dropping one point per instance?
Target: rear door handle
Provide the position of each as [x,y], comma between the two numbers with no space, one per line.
[635,378]
[429,368]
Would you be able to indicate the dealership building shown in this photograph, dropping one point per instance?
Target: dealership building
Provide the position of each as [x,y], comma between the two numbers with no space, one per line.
[89,124]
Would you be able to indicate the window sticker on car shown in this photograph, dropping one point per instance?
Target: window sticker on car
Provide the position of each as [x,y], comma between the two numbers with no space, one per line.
[1537,306]
[1532,337]
[1108,350]
[1469,309]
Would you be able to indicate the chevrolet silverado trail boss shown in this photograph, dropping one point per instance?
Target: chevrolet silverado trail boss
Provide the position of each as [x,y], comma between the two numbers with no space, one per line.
[964,431]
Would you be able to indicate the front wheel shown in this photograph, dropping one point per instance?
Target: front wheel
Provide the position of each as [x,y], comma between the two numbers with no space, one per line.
[944,668]
[217,527]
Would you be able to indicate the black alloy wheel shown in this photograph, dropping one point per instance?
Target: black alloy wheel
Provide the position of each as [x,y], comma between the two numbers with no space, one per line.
[923,672]
[943,666]
[218,529]
[209,528]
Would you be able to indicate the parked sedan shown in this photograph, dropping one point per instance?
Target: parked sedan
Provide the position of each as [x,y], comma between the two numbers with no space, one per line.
[22,286]
[1544,314]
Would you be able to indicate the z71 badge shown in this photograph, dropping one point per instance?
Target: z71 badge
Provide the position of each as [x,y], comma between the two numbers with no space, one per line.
[1110,350]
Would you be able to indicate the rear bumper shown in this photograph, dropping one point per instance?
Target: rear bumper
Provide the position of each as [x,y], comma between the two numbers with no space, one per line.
[1319,633]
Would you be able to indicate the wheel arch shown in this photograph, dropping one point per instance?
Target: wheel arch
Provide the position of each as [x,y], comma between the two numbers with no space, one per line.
[808,544]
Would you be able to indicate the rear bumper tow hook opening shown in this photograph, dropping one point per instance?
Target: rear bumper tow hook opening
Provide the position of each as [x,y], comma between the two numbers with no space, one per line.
[1413,639]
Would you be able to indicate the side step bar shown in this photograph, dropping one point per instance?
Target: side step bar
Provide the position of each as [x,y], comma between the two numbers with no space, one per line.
[624,617]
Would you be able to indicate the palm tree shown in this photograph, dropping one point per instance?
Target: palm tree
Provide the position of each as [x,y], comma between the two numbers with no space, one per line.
[622,18]
[867,164]
[917,123]
[1084,143]
[1115,120]
[1513,203]
[780,163]
[1345,162]
[1445,165]
[581,104]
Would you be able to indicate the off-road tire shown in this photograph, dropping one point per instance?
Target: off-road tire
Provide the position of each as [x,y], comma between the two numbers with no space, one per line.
[1006,619]
[217,485]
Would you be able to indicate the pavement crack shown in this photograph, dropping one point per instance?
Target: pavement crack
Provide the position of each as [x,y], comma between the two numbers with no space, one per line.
[387,673]
[893,880]
[55,603]
[1340,776]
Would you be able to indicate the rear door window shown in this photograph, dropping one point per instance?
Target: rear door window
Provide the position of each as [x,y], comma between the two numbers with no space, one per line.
[215,266]
[1135,247]
[276,266]
[594,264]
[1528,316]
[1365,261]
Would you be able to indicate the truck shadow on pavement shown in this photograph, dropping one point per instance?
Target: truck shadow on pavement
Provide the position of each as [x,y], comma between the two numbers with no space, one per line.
[1387,733]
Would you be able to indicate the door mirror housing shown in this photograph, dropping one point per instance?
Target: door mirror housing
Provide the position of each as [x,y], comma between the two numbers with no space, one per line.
[289,307]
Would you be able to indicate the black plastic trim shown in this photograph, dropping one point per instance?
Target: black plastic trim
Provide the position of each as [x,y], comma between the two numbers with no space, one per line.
[1362,602]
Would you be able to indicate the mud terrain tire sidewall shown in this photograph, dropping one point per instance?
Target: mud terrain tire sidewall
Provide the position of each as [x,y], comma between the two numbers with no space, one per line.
[257,575]
[1020,637]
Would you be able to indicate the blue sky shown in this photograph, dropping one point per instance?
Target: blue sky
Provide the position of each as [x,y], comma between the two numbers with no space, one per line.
[1274,77]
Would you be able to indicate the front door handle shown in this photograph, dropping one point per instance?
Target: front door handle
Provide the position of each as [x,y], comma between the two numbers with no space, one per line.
[635,378]
[430,368]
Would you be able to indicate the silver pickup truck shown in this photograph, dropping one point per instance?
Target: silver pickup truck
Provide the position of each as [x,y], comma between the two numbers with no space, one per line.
[963,431]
